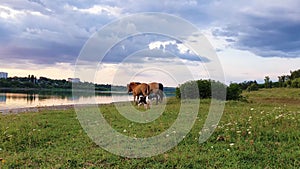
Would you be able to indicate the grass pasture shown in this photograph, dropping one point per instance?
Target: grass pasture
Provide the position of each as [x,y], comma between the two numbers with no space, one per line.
[261,133]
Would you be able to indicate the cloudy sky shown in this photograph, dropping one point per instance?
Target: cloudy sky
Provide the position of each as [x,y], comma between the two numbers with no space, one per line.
[252,39]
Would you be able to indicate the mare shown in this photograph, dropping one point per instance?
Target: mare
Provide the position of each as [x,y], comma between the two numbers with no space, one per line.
[157,90]
[138,89]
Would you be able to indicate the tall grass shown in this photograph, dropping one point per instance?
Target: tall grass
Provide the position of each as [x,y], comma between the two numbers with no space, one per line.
[261,133]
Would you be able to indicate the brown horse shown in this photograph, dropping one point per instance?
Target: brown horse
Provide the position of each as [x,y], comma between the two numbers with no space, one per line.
[157,90]
[138,89]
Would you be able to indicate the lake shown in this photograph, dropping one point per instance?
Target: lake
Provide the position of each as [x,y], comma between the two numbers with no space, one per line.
[10,100]
[24,99]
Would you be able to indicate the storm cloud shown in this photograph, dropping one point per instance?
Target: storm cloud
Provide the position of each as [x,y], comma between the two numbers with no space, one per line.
[50,32]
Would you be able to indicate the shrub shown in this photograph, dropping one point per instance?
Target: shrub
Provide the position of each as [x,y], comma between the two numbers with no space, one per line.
[295,83]
[188,90]
[234,92]
[253,87]
[203,89]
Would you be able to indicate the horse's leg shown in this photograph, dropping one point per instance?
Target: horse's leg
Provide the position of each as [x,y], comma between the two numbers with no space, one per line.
[161,96]
[134,99]
[156,98]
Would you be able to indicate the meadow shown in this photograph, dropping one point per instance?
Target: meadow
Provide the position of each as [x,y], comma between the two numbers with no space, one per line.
[262,132]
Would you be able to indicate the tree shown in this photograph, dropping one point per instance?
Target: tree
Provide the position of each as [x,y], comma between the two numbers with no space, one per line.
[281,80]
[295,83]
[268,83]
[188,90]
[177,92]
[234,92]
[32,79]
[253,87]
[295,74]
[202,89]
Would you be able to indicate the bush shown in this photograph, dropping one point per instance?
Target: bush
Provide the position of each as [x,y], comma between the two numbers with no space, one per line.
[188,90]
[295,83]
[234,92]
[203,89]
[253,87]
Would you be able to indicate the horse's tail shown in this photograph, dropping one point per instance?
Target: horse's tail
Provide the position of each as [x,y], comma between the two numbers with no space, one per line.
[148,89]
[160,92]
[160,86]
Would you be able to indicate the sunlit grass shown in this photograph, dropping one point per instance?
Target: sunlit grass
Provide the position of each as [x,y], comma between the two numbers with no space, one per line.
[261,133]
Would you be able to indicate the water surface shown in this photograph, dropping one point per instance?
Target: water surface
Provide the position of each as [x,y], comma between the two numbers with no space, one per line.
[35,98]
[11,100]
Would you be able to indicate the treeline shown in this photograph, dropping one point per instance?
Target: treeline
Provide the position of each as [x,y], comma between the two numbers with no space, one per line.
[292,80]
[234,90]
[31,82]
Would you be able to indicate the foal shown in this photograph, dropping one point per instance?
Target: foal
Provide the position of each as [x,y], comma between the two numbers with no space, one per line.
[143,101]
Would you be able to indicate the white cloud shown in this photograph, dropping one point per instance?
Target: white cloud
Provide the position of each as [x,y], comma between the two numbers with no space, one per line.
[183,49]
[97,10]
[163,45]
[9,13]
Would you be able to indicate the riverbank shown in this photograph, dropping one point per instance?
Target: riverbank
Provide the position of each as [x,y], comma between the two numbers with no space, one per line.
[36,109]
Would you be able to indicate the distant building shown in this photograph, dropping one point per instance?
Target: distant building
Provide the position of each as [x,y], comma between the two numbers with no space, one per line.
[74,80]
[3,75]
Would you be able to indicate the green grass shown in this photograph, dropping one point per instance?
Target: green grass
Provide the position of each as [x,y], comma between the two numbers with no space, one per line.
[261,133]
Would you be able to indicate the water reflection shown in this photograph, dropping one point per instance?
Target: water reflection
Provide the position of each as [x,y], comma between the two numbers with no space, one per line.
[18,99]
[22,99]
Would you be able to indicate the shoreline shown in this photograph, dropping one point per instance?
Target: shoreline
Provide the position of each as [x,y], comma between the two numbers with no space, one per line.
[43,108]
[35,109]
[53,107]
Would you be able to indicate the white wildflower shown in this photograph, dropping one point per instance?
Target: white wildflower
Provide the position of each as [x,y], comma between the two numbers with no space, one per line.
[277,117]
[228,124]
